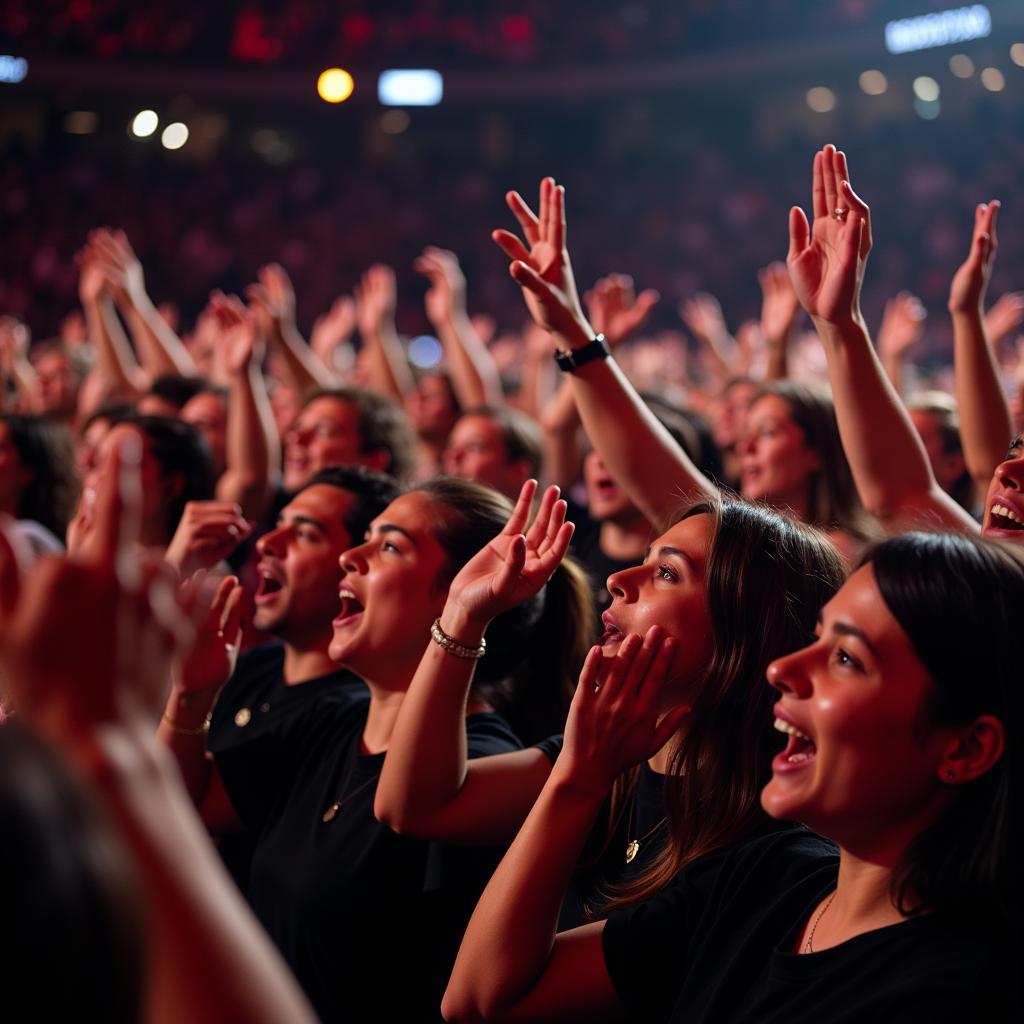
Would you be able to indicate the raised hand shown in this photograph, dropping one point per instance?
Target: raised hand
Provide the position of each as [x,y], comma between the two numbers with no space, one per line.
[967,290]
[826,261]
[376,297]
[446,296]
[617,718]
[1005,316]
[702,313]
[208,532]
[215,652]
[615,310]
[902,326]
[120,266]
[273,299]
[779,304]
[240,339]
[333,330]
[543,270]
[512,567]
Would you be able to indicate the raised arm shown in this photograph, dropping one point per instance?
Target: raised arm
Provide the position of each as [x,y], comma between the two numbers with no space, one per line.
[702,314]
[513,965]
[474,375]
[331,337]
[985,424]
[93,698]
[888,460]
[655,472]
[387,369]
[902,326]
[428,787]
[253,447]
[779,311]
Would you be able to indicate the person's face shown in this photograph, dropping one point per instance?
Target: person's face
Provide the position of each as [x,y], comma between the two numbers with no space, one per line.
[326,433]
[733,407]
[297,595]
[860,760]
[476,451]
[14,477]
[1004,504]
[431,407]
[667,589]
[776,462]
[606,500]
[391,591]
[285,405]
[948,467]
[88,445]
[57,386]
[208,413]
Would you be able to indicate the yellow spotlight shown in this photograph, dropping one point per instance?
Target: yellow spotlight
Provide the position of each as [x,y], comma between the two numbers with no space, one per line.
[993,80]
[1017,54]
[821,99]
[334,85]
[874,83]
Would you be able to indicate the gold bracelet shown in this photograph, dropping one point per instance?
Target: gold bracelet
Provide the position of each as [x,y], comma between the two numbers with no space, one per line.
[452,646]
[183,731]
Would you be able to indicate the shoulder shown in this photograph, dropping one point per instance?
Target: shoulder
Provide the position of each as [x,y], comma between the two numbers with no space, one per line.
[489,733]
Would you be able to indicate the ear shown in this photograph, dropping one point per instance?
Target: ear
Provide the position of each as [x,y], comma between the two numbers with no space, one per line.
[973,751]
[378,459]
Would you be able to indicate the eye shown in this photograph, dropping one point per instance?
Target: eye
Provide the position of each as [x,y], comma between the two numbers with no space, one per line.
[666,572]
[388,546]
[844,659]
[1014,451]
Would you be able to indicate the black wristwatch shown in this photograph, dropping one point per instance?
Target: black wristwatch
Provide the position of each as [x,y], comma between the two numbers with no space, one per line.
[574,358]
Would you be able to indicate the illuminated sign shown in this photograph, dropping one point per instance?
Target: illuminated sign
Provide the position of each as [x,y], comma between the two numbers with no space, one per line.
[12,69]
[412,88]
[938,29]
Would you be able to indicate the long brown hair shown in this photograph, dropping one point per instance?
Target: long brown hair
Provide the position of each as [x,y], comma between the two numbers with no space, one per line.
[766,579]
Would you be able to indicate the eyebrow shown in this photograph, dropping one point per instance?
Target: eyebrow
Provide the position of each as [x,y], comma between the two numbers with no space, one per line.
[302,520]
[667,552]
[392,528]
[846,629]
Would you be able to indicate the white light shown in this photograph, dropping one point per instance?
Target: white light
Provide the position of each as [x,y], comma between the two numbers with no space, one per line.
[1017,54]
[174,136]
[961,65]
[926,89]
[12,69]
[938,29]
[993,80]
[927,110]
[874,83]
[425,351]
[820,99]
[412,88]
[144,123]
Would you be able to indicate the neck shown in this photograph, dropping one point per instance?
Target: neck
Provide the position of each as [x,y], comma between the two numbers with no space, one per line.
[304,663]
[380,721]
[625,540]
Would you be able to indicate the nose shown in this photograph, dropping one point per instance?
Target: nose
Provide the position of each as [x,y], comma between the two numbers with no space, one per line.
[353,560]
[452,461]
[621,585]
[745,445]
[1010,474]
[271,542]
[788,674]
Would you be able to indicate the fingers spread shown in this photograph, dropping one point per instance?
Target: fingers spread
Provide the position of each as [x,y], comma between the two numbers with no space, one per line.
[510,245]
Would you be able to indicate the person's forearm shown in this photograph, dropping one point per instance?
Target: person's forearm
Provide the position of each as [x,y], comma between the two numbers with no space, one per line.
[387,367]
[640,453]
[777,362]
[985,423]
[183,731]
[253,448]
[209,961]
[889,464]
[509,940]
[474,376]
[305,373]
[562,449]
[115,362]
[537,387]
[160,350]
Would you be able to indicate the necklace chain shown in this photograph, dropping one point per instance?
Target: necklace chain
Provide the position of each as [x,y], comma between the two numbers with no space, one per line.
[633,846]
[809,944]
[331,813]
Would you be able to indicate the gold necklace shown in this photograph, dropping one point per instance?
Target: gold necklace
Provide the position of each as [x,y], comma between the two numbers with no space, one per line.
[633,846]
[332,812]
[809,944]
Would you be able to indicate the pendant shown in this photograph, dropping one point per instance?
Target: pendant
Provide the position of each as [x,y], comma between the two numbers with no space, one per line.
[243,716]
[632,849]
[331,812]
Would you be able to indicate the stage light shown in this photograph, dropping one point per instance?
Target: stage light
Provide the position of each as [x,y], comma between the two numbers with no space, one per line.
[993,80]
[874,83]
[821,99]
[394,122]
[174,136]
[927,110]
[410,88]
[81,122]
[144,123]
[12,69]
[335,85]
[938,29]
[1017,54]
[961,65]
[425,351]
[926,89]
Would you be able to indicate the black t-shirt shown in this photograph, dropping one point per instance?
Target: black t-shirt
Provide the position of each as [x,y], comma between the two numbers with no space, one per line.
[256,701]
[717,946]
[368,920]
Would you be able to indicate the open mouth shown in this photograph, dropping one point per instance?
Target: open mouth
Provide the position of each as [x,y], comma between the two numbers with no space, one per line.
[351,607]
[268,586]
[612,633]
[1001,517]
[800,749]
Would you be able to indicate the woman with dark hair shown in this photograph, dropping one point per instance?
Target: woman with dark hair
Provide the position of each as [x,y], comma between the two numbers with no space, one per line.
[903,721]
[38,483]
[334,887]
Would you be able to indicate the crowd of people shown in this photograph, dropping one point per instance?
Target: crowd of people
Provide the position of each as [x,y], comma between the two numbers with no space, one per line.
[566,679]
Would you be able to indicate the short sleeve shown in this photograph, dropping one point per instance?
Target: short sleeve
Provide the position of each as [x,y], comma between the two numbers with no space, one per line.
[551,747]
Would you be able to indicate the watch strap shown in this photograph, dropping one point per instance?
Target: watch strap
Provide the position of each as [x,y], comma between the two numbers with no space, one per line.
[574,358]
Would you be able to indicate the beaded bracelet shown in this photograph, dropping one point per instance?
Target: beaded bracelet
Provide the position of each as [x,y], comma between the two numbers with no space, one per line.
[452,646]
[183,731]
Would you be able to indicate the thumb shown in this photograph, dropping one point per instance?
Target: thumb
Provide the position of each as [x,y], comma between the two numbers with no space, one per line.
[799,232]
[515,560]
[526,277]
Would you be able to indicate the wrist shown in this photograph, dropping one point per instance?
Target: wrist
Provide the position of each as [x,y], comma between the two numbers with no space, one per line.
[574,335]
[579,780]
[840,326]
[464,626]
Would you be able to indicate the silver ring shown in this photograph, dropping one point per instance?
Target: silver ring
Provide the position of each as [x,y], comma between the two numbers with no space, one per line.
[597,687]
[840,213]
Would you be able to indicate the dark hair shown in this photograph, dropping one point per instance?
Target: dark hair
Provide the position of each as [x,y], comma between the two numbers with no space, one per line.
[71,905]
[178,390]
[521,434]
[959,601]
[947,423]
[535,650]
[45,450]
[182,452]
[383,426]
[373,492]
[689,430]
[832,501]
[766,579]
